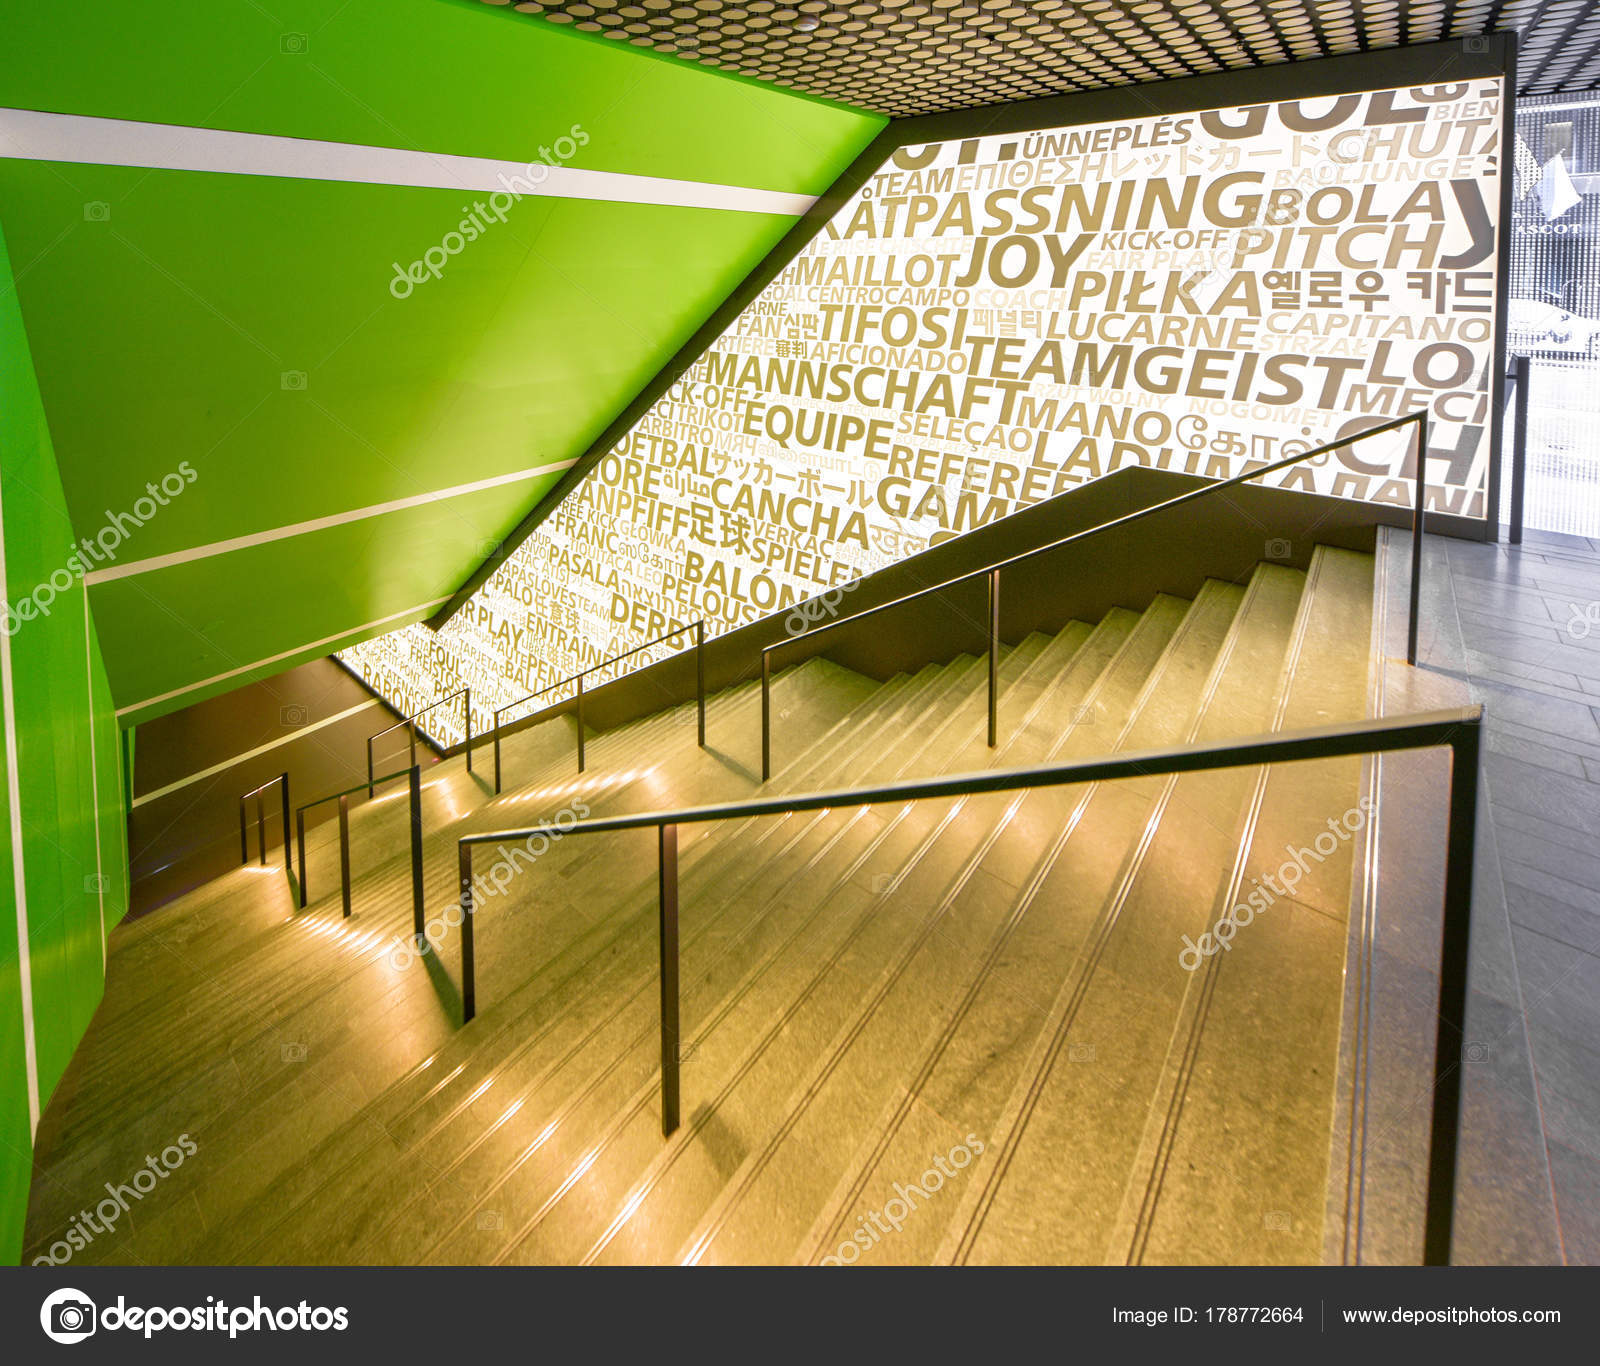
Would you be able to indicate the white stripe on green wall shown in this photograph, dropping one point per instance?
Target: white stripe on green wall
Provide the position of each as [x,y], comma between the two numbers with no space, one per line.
[420,610]
[255,538]
[94,775]
[31,135]
[18,871]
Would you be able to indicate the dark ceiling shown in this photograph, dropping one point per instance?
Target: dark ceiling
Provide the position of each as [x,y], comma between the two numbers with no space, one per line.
[901,58]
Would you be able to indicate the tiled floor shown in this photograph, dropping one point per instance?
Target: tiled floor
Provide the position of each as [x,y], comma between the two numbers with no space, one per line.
[1530,622]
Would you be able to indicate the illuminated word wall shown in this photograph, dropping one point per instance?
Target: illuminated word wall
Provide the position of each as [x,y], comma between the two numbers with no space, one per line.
[992,322]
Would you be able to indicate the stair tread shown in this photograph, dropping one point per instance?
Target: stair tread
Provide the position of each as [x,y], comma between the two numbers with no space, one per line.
[863,990]
[936,679]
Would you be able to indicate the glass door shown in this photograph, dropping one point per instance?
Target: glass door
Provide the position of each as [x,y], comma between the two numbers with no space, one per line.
[1554,309]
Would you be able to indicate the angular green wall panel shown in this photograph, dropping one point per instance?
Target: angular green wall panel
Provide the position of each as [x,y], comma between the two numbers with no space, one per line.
[66,770]
[170,330]
[245,324]
[204,618]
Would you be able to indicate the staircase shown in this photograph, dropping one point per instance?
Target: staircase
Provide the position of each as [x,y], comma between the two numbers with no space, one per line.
[975,1031]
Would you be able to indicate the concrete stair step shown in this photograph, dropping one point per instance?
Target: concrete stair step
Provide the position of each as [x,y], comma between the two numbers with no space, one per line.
[972,1013]
[963,1078]
[1252,1086]
[867,1060]
[303,999]
[915,699]
[637,1032]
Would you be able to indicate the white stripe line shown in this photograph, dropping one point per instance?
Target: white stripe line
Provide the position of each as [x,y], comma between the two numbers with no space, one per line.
[30,135]
[18,874]
[203,552]
[255,753]
[94,780]
[273,659]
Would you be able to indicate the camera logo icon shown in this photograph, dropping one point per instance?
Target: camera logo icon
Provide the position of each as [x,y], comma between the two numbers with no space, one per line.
[293,44]
[293,715]
[97,211]
[1279,549]
[294,381]
[96,883]
[67,1316]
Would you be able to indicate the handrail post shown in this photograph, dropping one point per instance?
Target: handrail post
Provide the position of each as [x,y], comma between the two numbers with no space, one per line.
[700,674]
[300,842]
[416,853]
[244,833]
[497,752]
[1508,396]
[668,841]
[288,861]
[344,851]
[469,990]
[1454,968]
[261,827]
[1522,369]
[766,716]
[467,692]
[1416,537]
[411,738]
[580,723]
[994,656]
[369,768]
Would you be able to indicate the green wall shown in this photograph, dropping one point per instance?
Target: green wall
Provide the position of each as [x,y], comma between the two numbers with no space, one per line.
[60,754]
[164,308]
[152,319]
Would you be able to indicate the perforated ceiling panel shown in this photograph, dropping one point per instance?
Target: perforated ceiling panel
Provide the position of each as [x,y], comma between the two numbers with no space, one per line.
[901,58]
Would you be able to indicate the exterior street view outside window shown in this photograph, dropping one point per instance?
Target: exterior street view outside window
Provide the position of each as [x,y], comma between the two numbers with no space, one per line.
[1554,311]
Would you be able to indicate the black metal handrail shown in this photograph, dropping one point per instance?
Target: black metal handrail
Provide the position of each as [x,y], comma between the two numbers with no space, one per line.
[343,798]
[410,723]
[698,627]
[1458,730]
[261,822]
[992,573]
[1518,377]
